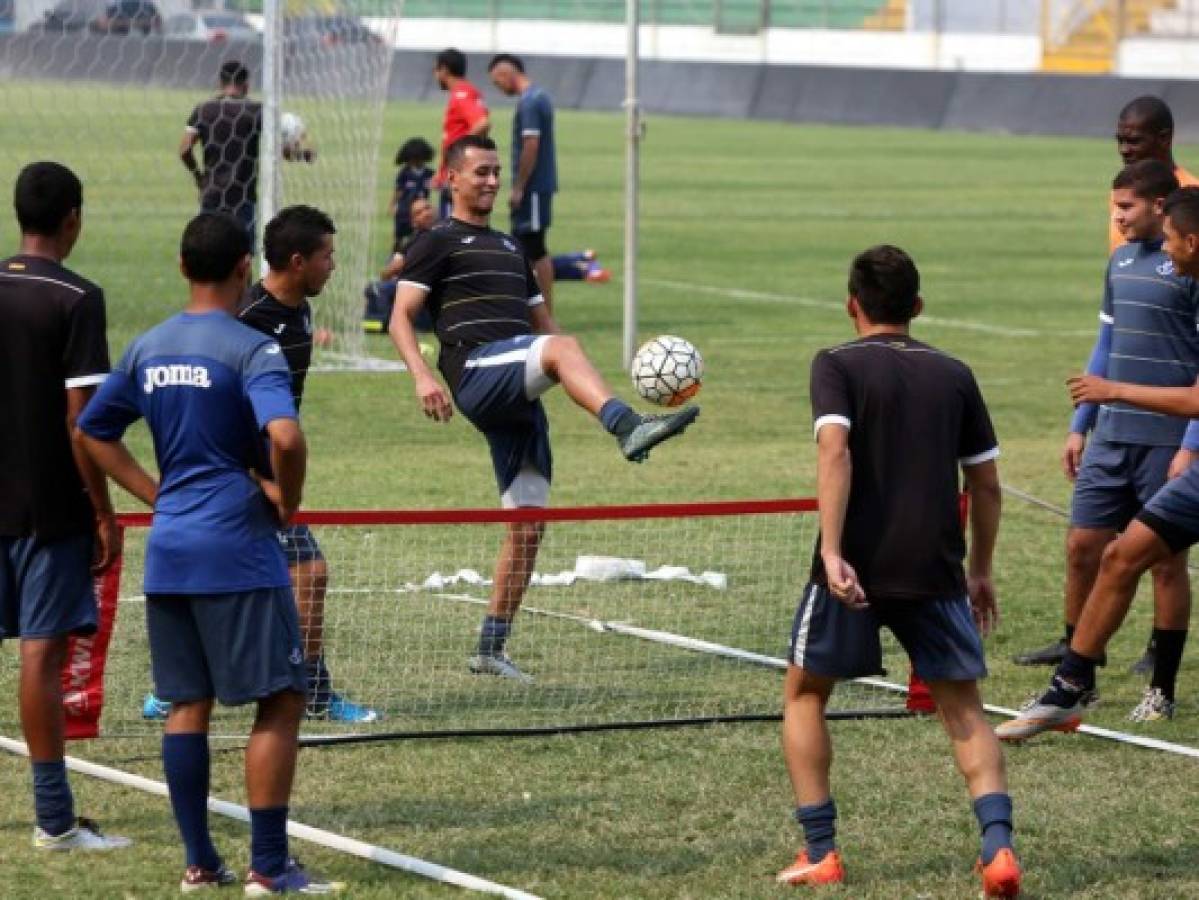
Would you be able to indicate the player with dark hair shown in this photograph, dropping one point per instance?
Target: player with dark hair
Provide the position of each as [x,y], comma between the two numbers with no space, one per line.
[465,113]
[890,553]
[500,351]
[57,525]
[1146,336]
[1166,526]
[298,243]
[412,183]
[220,614]
[534,165]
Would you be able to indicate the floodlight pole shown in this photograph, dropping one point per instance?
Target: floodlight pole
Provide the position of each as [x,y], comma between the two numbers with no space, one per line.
[269,151]
[634,133]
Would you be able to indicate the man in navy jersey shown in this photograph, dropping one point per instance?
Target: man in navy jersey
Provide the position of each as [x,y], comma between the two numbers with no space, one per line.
[500,351]
[298,243]
[56,519]
[220,614]
[890,552]
[1165,527]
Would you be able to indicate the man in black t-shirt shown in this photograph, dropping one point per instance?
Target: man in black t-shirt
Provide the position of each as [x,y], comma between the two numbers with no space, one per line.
[57,525]
[500,351]
[299,248]
[229,127]
[895,420]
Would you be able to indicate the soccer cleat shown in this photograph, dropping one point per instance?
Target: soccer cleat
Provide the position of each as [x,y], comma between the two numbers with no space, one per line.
[1045,656]
[501,665]
[155,709]
[1147,662]
[1154,707]
[1038,716]
[294,880]
[828,871]
[1001,876]
[197,878]
[597,274]
[85,834]
[653,430]
[339,709]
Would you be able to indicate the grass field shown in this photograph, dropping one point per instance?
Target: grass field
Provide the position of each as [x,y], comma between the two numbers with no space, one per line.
[748,229]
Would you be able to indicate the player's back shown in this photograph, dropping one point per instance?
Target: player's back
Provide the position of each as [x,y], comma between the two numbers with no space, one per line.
[229,129]
[915,415]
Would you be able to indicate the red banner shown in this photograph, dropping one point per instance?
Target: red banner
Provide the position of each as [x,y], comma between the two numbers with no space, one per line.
[83,671]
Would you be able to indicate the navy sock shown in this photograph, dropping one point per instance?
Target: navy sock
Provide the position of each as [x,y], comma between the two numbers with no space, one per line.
[320,683]
[994,814]
[268,840]
[819,828]
[494,635]
[1168,657]
[1069,633]
[617,418]
[185,762]
[52,798]
[1074,676]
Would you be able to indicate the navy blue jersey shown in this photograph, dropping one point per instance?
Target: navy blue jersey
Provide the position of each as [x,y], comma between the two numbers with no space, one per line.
[1153,312]
[535,118]
[207,386]
[411,184]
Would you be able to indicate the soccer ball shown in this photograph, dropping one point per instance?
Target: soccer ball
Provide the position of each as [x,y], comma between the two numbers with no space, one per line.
[667,370]
[291,131]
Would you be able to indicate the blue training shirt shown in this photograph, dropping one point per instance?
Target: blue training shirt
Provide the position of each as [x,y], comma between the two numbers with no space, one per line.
[207,386]
[535,116]
[1154,313]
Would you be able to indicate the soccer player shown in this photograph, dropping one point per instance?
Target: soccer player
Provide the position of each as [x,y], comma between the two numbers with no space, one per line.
[229,127]
[220,614]
[534,165]
[56,521]
[895,420]
[1164,528]
[298,243]
[465,113]
[412,183]
[1146,336]
[500,351]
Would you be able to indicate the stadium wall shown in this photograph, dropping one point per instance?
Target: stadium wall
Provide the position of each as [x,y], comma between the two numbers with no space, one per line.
[969,101]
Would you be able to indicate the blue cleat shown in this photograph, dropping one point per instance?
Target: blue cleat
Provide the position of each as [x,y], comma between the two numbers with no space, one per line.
[339,709]
[294,880]
[155,709]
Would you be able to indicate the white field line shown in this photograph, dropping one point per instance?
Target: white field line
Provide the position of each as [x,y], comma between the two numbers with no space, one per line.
[833,306]
[303,832]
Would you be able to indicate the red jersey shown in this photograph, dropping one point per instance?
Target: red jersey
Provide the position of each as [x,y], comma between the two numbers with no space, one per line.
[463,111]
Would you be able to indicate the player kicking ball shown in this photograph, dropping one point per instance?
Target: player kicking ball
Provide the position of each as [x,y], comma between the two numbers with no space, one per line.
[220,616]
[500,351]
[1166,526]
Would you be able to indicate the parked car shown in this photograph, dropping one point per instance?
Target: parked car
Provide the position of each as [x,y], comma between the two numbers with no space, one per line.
[70,15]
[305,32]
[210,27]
[126,17]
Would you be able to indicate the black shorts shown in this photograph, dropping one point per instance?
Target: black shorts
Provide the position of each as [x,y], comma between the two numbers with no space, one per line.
[533,244]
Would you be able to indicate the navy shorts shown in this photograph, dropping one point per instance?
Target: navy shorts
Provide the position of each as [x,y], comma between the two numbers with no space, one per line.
[299,543]
[46,587]
[940,637]
[1115,481]
[499,393]
[1173,512]
[236,647]
[533,214]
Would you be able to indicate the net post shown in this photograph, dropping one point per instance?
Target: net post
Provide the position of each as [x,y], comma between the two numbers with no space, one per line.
[633,134]
[269,150]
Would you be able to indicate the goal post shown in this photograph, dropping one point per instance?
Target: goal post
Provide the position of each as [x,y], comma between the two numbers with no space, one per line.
[636,616]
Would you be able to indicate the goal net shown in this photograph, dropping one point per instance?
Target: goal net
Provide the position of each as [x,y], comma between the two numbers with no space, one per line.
[665,613]
[111,98]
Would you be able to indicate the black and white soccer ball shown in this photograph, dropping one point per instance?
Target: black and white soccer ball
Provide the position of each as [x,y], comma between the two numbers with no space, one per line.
[292,132]
[667,370]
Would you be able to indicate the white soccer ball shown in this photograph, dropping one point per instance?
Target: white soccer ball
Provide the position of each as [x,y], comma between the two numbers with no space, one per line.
[291,131]
[667,370]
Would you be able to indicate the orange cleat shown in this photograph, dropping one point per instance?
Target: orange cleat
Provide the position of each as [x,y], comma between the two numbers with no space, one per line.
[828,871]
[1001,876]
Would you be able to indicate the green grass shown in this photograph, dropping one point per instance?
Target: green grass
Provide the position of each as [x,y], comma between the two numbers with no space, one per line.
[757,222]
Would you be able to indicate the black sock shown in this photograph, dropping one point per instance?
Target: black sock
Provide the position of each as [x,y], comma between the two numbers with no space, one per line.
[1168,658]
[1075,676]
[1069,633]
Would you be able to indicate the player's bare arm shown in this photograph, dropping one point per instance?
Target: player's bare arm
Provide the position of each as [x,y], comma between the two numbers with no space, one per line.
[187,145]
[289,461]
[432,394]
[542,320]
[1173,401]
[481,126]
[529,146]
[834,470]
[986,502]
[108,533]
[1072,454]
[115,460]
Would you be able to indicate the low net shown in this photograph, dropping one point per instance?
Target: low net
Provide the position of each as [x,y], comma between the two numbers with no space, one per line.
[659,614]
